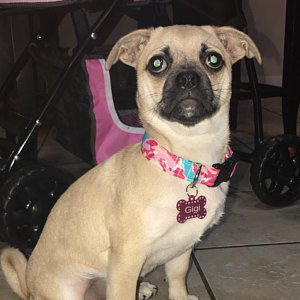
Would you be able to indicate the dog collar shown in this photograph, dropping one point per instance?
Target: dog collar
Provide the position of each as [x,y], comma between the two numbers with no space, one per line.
[193,172]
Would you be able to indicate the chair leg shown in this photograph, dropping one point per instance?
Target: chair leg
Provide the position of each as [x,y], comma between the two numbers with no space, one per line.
[257,111]
[234,104]
[290,106]
[291,63]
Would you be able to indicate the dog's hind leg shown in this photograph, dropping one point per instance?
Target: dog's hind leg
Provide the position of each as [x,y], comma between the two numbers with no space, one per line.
[53,287]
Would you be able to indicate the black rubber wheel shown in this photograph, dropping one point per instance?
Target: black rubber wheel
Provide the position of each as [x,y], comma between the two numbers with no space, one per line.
[27,197]
[275,171]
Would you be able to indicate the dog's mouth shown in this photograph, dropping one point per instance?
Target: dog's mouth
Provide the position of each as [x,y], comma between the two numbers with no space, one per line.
[188,98]
[187,111]
[185,108]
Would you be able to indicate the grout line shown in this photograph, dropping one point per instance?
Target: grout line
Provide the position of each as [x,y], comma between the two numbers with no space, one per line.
[44,139]
[247,246]
[276,113]
[241,142]
[203,277]
[272,112]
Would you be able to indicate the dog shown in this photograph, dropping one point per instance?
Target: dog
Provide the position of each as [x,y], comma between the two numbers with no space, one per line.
[151,202]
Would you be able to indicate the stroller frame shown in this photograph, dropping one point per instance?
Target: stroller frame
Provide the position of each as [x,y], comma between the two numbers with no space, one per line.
[34,124]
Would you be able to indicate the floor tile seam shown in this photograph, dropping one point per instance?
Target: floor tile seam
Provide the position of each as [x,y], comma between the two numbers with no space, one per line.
[247,246]
[203,277]
[271,111]
[43,140]
[242,143]
[276,113]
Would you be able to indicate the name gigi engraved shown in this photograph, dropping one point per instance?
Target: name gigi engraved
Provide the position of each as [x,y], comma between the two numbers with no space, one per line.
[193,208]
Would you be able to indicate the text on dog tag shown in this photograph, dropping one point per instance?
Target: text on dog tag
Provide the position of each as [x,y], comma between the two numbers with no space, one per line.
[193,208]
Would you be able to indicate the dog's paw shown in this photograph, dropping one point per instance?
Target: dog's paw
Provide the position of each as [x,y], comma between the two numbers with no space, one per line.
[192,297]
[147,290]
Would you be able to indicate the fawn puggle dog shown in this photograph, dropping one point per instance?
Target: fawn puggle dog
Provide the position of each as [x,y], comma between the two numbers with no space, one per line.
[150,203]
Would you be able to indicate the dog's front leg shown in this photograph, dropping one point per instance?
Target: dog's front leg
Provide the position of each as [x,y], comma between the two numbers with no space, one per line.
[176,270]
[125,264]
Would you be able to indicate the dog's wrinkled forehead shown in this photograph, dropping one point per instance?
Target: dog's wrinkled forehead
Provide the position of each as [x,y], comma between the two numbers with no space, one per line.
[137,45]
[180,43]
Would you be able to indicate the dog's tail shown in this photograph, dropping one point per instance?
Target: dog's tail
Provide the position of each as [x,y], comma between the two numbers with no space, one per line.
[13,264]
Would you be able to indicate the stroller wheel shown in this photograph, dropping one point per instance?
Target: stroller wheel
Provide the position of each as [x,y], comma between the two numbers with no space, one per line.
[26,200]
[275,171]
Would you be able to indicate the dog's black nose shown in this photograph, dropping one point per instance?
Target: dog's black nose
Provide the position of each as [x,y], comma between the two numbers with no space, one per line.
[187,80]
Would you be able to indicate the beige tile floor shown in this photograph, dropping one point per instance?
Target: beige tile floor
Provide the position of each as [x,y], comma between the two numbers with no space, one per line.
[254,253]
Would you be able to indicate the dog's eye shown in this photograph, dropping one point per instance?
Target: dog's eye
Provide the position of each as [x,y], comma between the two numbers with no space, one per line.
[214,61]
[157,64]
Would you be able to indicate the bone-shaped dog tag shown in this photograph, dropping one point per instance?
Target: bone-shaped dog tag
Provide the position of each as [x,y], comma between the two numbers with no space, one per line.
[193,208]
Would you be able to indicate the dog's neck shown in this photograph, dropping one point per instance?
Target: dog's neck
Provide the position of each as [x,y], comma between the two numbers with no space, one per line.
[192,171]
[204,146]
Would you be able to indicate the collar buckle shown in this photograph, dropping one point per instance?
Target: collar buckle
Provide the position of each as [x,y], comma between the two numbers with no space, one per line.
[226,169]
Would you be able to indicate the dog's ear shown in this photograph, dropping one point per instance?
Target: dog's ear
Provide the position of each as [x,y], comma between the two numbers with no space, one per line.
[129,47]
[237,43]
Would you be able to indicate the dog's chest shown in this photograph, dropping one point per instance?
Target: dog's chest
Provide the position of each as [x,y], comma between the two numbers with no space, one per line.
[169,238]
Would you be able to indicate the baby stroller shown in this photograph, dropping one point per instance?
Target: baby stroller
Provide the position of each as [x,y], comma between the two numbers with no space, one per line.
[29,189]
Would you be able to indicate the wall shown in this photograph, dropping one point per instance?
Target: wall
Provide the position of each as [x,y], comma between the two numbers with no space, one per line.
[266,24]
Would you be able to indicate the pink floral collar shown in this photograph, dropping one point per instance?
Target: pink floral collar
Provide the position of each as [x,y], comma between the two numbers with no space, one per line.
[185,169]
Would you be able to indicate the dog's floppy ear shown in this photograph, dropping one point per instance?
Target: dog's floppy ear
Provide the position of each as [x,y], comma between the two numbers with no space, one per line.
[129,47]
[237,43]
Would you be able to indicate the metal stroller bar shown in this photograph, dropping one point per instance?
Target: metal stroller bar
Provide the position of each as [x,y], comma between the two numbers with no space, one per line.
[257,111]
[36,122]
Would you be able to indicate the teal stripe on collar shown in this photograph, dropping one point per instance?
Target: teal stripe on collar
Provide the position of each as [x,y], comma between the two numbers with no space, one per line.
[186,169]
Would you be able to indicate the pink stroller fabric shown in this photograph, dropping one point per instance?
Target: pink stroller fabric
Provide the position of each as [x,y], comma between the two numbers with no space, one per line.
[111,134]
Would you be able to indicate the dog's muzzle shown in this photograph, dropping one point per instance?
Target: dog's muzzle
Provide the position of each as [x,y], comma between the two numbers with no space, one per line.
[188,98]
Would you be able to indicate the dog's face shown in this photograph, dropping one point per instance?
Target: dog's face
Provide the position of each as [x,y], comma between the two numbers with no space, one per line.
[184,72]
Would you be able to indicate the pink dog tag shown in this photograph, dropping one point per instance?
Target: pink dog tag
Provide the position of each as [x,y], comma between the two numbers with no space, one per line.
[193,208]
